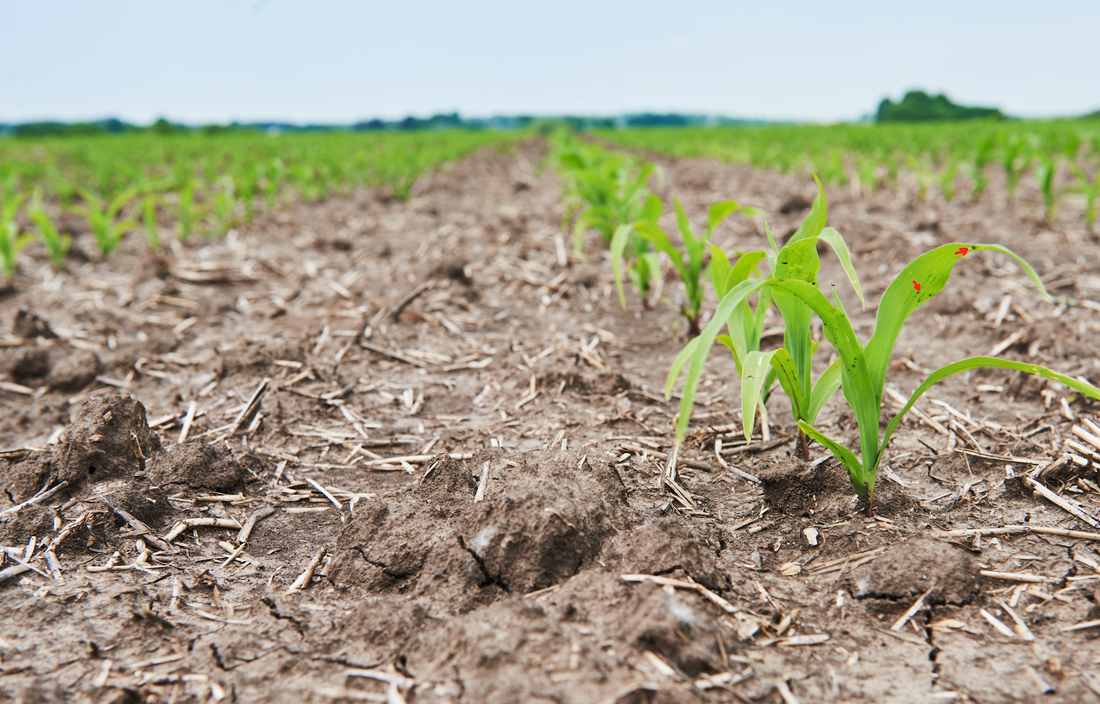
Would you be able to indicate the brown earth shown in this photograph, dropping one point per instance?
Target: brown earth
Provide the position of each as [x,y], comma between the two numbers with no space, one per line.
[489,564]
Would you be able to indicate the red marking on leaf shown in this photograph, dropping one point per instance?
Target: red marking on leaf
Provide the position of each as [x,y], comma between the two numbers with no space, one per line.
[916,286]
[963,251]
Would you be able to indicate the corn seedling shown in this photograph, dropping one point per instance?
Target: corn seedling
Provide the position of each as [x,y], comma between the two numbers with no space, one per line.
[921,166]
[1045,173]
[863,367]
[604,192]
[947,180]
[273,176]
[149,221]
[791,365]
[56,243]
[11,242]
[628,242]
[691,263]
[1016,159]
[225,208]
[1090,188]
[188,210]
[102,216]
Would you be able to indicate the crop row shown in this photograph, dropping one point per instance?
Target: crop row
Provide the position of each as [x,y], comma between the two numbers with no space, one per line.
[1062,155]
[608,193]
[196,183]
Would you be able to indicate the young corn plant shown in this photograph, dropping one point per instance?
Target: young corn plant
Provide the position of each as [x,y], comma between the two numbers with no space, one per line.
[947,179]
[11,242]
[188,210]
[975,168]
[790,365]
[1090,188]
[1016,159]
[644,270]
[149,221]
[863,367]
[56,243]
[604,192]
[225,208]
[1045,173]
[103,216]
[691,263]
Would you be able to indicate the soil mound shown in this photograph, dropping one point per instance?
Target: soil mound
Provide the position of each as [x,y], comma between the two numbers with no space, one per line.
[109,438]
[542,519]
[795,488]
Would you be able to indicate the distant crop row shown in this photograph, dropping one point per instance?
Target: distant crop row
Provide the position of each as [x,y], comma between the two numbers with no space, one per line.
[1062,155]
[196,183]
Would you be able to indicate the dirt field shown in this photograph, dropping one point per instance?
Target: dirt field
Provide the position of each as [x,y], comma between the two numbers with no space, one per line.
[305,355]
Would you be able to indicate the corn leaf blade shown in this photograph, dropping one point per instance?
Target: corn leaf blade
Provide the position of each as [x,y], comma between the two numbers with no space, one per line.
[974,363]
[702,350]
[922,279]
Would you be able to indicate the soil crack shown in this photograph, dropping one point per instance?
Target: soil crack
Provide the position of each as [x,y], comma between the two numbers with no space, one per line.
[488,578]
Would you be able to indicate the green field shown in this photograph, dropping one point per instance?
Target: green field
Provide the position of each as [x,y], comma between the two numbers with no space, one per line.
[1063,155]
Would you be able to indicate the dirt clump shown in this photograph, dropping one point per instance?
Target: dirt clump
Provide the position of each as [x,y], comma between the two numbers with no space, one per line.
[541,520]
[27,363]
[109,438]
[586,384]
[909,569]
[28,325]
[199,466]
[796,488]
[662,547]
[75,369]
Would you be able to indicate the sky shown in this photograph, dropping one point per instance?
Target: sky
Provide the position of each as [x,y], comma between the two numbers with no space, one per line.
[339,61]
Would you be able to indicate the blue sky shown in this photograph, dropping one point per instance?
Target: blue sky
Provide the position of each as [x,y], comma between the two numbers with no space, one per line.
[339,61]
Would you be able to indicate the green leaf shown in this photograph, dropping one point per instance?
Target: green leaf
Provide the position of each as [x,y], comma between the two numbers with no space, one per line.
[974,363]
[684,224]
[728,342]
[678,365]
[754,374]
[652,209]
[814,222]
[719,212]
[832,238]
[744,268]
[771,239]
[923,278]
[618,245]
[862,482]
[827,385]
[719,270]
[653,233]
[702,350]
[799,262]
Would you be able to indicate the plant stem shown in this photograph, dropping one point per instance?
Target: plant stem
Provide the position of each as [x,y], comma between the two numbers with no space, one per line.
[693,327]
[804,446]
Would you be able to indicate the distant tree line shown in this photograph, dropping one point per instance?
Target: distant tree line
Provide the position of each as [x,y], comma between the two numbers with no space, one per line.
[918,106]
